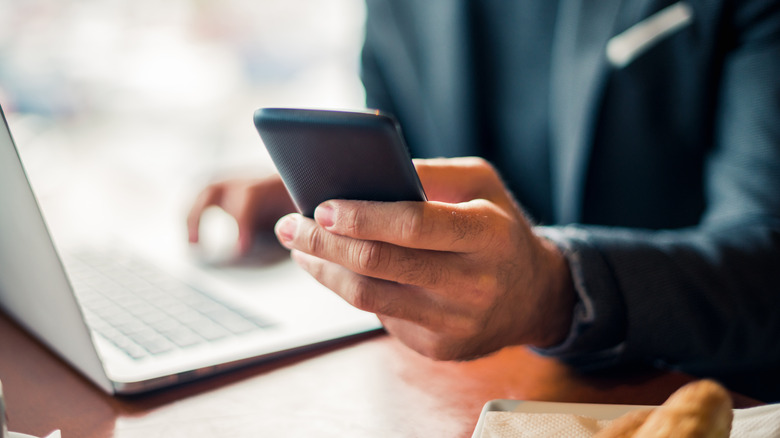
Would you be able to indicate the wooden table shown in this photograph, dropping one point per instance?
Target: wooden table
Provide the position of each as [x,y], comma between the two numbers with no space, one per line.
[369,387]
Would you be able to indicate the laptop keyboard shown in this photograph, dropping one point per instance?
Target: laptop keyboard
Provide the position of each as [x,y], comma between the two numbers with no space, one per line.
[145,311]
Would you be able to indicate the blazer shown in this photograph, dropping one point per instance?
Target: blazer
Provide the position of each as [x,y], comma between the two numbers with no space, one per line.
[663,121]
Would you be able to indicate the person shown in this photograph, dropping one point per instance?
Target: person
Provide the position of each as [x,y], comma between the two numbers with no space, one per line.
[630,213]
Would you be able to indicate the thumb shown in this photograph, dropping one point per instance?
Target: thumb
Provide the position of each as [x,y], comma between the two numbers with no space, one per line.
[455,180]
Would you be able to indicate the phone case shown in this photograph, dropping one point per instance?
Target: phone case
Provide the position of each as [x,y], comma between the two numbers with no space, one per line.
[324,155]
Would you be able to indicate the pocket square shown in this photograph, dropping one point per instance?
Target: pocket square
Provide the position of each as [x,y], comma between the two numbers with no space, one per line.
[622,49]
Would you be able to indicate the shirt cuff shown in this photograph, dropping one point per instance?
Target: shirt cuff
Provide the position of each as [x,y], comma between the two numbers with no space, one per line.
[598,331]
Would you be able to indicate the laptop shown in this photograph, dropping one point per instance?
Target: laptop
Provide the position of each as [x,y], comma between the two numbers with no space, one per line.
[128,325]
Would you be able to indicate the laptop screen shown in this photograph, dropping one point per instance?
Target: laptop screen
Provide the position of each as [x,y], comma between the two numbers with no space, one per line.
[34,289]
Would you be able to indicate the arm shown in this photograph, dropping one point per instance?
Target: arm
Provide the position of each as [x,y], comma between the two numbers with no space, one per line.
[703,299]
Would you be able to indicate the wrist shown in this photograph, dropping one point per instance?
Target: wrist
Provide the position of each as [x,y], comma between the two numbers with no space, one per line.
[557,297]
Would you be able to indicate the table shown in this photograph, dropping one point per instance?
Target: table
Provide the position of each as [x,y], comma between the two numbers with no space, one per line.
[372,386]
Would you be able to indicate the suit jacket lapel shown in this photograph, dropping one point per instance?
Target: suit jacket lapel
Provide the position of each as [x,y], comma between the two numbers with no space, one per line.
[579,71]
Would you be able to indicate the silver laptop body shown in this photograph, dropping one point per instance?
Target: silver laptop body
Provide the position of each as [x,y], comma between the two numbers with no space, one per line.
[286,309]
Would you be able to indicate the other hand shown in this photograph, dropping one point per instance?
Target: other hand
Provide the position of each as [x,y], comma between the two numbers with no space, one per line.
[256,204]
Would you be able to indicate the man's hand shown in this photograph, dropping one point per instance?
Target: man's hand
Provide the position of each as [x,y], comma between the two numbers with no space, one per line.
[256,204]
[457,277]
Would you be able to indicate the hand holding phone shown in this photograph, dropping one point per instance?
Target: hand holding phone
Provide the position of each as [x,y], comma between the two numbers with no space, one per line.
[324,155]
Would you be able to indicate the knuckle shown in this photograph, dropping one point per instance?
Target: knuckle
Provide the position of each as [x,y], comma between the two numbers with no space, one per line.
[389,307]
[313,239]
[208,196]
[369,255]
[497,235]
[413,225]
[420,271]
[362,296]
[466,226]
[352,221]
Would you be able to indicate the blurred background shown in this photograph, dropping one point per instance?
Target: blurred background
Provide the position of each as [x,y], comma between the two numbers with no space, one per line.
[124,109]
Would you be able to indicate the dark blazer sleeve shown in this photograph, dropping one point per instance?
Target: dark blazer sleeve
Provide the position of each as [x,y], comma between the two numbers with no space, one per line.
[704,299]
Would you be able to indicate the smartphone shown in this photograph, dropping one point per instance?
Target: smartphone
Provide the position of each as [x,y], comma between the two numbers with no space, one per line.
[324,155]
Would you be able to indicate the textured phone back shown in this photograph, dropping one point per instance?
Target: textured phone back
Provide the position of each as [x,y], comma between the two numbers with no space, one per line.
[324,155]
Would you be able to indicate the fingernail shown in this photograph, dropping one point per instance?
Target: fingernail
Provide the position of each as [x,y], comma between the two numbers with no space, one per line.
[286,228]
[324,215]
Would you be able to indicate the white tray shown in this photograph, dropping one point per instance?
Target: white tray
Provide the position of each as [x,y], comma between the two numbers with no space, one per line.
[597,411]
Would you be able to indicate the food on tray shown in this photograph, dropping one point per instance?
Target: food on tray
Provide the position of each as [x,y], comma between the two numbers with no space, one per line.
[627,425]
[701,409]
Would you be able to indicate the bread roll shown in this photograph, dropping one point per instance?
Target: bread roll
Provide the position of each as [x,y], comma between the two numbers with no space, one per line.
[700,409]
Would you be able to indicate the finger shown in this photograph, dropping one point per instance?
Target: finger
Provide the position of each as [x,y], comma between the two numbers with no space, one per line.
[461,179]
[242,203]
[464,228]
[441,343]
[424,340]
[211,195]
[428,269]
[421,320]
[373,295]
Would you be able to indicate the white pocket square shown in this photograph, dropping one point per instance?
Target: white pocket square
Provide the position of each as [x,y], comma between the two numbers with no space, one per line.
[627,46]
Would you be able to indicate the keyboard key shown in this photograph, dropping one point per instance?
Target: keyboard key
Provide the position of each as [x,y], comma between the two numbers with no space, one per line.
[183,337]
[210,330]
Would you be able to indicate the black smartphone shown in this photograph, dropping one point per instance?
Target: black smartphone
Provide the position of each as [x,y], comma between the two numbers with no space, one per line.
[324,155]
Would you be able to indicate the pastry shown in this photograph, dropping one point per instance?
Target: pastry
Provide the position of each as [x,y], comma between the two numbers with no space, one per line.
[701,409]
